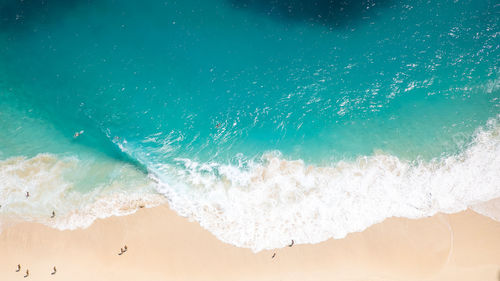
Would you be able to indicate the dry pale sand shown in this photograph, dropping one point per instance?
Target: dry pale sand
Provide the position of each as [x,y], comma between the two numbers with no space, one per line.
[164,246]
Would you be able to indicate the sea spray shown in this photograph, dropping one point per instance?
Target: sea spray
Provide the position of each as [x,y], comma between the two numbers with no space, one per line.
[273,201]
[51,184]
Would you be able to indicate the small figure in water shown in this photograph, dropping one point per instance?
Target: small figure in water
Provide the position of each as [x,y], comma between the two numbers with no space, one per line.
[18,268]
[293,242]
[27,194]
[27,273]
[218,125]
[77,134]
[55,271]
[273,255]
[53,215]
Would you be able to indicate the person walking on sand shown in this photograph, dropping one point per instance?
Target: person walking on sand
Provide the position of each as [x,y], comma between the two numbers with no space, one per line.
[18,268]
[121,252]
[27,273]
[55,271]
[27,194]
[125,248]
[53,214]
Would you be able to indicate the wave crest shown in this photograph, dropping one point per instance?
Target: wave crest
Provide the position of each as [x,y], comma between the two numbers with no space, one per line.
[267,204]
[258,204]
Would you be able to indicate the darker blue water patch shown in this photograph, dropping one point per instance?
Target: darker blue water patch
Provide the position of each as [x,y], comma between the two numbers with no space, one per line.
[16,16]
[329,13]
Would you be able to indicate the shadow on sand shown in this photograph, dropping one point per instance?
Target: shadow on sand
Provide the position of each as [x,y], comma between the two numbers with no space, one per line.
[331,13]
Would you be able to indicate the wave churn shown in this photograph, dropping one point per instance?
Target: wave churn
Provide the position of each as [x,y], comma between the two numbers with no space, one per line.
[266,205]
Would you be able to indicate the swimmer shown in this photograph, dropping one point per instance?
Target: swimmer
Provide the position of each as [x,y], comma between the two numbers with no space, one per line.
[77,134]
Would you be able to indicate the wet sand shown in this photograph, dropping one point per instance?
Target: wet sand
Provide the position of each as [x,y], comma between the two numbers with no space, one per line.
[164,246]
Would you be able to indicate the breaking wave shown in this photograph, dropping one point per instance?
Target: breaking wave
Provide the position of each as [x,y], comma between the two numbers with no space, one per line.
[265,205]
[260,204]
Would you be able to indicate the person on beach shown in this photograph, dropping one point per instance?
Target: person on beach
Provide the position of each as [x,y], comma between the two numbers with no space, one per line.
[54,272]
[27,273]
[18,268]
[121,252]
[53,214]
[125,248]
[293,242]
[273,255]
[27,194]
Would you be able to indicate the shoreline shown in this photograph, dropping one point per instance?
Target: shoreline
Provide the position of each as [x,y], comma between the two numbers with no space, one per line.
[165,246]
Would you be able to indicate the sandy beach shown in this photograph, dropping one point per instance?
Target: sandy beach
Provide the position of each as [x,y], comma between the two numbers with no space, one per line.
[164,246]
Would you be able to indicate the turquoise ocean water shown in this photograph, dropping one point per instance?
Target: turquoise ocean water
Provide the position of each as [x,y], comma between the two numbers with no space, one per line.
[263,120]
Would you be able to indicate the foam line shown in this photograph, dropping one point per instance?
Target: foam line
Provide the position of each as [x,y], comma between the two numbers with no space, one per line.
[260,204]
[275,200]
[49,179]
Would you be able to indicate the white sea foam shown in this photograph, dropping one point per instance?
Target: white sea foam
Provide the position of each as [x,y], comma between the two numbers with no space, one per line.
[261,204]
[50,181]
[265,205]
[490,208]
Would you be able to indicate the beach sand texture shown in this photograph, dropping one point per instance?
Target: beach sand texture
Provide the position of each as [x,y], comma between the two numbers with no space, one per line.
[164,246]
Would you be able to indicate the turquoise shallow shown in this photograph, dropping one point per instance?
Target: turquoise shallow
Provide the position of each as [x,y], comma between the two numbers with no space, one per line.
[259,119]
